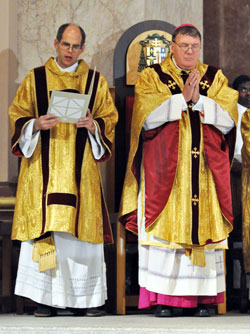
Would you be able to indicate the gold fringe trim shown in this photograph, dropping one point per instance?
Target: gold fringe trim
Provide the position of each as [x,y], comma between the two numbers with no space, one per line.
[44,252]
[47,261]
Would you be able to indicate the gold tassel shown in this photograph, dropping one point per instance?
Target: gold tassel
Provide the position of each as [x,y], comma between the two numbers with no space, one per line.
[47,261]
[47,253]
[198,257]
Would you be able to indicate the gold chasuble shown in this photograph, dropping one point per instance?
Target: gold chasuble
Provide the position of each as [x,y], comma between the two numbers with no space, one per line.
[182,168]
[59,186]
[245,152]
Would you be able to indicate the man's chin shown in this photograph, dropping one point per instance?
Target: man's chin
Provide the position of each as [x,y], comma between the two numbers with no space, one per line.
[245,103]
[188,65]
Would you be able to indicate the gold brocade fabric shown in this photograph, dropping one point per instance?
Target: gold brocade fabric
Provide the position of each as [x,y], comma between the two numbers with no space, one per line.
[174,224]
[161,229]
[175,221]
[28,211]
[245,152]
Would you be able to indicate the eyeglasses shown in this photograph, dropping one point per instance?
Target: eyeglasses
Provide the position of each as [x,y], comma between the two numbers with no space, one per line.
[244,90]
[186,47]
[67,46]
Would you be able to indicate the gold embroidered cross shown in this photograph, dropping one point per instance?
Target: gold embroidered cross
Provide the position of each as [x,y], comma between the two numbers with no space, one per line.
[204,84]
[195,200]
[171,84]
[195,152]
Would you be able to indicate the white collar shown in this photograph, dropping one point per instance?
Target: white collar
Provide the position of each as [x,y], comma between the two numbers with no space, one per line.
[175,63]
[70,69]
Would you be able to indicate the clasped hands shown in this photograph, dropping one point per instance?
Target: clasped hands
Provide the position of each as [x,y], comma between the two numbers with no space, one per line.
[47,122]
[191,87]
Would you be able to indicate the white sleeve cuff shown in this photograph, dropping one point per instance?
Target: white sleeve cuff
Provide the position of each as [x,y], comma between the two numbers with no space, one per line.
[169,111]
[28,141]
[98,148]
[212,113]
[199,105]
[184,103]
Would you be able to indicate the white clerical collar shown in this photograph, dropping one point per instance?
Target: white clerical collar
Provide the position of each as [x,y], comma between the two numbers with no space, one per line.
[175,63]
[71,68]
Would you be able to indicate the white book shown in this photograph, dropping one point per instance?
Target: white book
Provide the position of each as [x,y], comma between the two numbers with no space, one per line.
[70,107]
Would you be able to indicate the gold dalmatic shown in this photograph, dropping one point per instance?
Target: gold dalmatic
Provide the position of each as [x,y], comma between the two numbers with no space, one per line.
[59,187]
[245,130]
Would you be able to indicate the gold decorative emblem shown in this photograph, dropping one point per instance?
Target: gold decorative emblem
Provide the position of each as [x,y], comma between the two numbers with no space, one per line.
[148,48]
[154,49]
[171,84]
[195,200]
[204,84]
[190,106]
[195,152]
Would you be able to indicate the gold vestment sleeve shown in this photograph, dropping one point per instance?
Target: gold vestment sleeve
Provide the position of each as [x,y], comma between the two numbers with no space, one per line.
[245,130]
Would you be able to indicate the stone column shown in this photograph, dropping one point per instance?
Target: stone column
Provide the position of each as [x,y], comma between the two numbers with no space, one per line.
[226,35]
[8,70]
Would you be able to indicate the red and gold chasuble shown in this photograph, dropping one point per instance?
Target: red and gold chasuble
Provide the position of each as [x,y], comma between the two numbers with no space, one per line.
[185,164]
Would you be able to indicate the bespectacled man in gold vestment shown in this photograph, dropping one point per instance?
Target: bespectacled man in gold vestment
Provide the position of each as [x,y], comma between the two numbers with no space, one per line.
[242,84]
[176,193]
[60,214]
[245,130]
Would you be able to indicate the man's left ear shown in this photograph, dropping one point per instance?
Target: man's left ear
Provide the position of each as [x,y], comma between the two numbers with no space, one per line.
[83,48]
[56,43]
